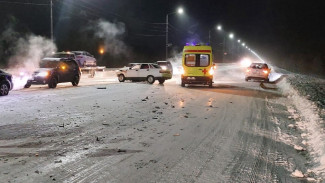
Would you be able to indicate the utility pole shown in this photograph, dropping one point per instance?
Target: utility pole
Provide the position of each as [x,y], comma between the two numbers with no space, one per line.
[52,20]
[166,37]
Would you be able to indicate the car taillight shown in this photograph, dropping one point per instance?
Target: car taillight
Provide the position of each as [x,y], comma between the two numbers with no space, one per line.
[265,71]
[182,71]
[211,71]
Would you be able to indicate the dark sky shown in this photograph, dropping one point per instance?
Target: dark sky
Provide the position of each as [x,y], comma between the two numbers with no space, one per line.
[274,28]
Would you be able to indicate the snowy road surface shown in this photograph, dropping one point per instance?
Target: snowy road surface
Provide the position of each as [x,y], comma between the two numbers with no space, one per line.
[105,131]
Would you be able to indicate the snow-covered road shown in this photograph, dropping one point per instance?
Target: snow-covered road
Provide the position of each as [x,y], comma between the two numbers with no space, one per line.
[105,131]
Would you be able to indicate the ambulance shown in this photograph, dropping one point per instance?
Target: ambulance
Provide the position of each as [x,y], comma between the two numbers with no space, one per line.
[198,67]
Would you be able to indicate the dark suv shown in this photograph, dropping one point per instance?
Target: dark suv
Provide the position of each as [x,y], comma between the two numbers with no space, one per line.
[56,70]
[5,83]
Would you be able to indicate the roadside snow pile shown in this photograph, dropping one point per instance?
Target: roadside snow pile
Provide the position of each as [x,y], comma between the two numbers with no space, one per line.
[306,106]
[312,88]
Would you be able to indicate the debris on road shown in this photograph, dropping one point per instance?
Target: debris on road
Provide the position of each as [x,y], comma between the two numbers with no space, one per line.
[297,174]
[58,161]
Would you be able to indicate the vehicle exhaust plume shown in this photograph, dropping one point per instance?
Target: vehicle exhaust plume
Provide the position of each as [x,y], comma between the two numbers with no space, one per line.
[28,52]
[112,34]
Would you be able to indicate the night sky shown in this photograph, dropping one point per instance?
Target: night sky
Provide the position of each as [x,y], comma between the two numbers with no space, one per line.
[279,30]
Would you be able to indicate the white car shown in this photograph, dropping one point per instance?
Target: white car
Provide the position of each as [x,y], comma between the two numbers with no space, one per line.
[143,72]
[258,71]
[85,59]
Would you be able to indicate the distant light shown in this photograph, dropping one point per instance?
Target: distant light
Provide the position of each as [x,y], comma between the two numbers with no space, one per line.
[245,62]
[238,41]
[180,11]
[246,46]
[219,27]
[101,51]
[231,35]
[187,44]
[243,44]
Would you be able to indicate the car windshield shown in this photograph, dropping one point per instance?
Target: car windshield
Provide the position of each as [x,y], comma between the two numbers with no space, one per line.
[258,66]
[78,53]
[156,66]
[48,64]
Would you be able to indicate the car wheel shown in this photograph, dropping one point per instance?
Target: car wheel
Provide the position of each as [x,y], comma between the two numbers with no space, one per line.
[151,79]
[28,85]
[246,79]
[183,84]
[121,78]
[53,83]
[76,80]
[4,89]
[161,81]
[210,84]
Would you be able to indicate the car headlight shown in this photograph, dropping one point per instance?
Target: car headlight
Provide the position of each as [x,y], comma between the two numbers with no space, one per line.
[43,74]
[211,71]
[163,68]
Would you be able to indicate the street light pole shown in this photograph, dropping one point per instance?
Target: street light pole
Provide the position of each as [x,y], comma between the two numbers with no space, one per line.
[179,11]
[167,37]
[52,20]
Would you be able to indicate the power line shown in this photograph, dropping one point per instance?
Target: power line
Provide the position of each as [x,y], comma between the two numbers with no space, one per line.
[21,3]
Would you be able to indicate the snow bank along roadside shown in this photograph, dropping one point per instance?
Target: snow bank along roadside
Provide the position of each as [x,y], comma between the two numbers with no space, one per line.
[308,116]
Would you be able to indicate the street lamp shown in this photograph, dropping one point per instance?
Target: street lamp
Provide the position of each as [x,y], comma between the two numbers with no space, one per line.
[219,27]
[231,35]
[238,40]
[179,11]
[243,44]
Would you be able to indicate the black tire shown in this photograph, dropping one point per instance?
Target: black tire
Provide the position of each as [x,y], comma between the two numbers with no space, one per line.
[53,83]
[28,85]
[121,78]
[151,79]
[161,81]
[210,84]
[4,89]
[246,79]
[183,84]
[75,81]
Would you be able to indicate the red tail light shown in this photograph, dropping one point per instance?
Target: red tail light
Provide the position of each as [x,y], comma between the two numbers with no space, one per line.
[265,71]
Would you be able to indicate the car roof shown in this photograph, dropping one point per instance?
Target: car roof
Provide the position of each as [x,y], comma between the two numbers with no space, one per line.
[140,63]
[258,63]
[63,52]
[78,51]
[163,61]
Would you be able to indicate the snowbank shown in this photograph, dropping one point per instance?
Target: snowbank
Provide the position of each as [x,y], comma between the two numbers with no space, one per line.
[307,97]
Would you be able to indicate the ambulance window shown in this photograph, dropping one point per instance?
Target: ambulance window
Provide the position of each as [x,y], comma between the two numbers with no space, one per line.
[204,60]
[190,60]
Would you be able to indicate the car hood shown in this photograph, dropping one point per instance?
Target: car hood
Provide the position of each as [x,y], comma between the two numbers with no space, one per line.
[43,70]
[5,74]
[124,69]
